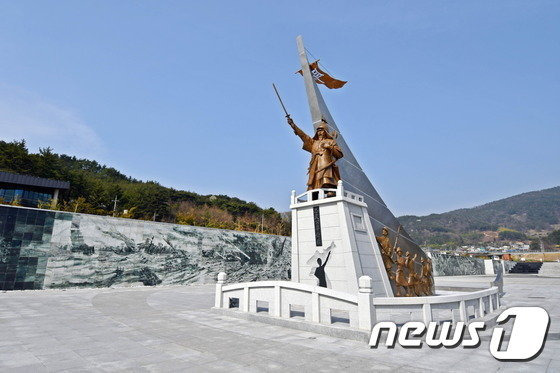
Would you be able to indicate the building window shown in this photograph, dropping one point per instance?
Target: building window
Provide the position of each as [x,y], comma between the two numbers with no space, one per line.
[28,198]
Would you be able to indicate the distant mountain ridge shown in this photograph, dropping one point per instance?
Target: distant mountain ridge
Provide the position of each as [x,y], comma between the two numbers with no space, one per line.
[527,213]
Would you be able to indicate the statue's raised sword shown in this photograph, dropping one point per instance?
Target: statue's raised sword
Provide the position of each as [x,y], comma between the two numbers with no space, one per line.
[280,99]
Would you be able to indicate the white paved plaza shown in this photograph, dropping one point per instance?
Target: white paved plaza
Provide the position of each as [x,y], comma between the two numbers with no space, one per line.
[165,329]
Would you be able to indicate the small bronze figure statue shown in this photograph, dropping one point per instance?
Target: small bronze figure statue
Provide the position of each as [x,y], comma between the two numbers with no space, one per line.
[427,281]
[323,172]
[386,251]
[383,240]
[400,279]
[412,278]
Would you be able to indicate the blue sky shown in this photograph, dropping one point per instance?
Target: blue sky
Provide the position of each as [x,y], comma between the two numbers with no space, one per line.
[449,104]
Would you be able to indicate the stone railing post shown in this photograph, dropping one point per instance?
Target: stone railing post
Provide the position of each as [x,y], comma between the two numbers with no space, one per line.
[490,304]
[315,307]
[277,304]
[218,302]
[463,316]
[489,267]
[366,310]
[340,189]
[427,315]
[246,302]
[481,307]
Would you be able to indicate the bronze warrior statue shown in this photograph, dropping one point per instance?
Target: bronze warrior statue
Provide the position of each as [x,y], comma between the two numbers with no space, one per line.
[323,172]
[400,278]
[386,249]
[426,275]
[412,278]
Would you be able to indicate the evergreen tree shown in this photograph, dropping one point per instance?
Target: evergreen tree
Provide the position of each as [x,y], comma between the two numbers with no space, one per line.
[93,188]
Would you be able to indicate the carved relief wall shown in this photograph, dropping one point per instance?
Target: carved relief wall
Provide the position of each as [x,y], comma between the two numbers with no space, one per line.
[49,249]
[451,265]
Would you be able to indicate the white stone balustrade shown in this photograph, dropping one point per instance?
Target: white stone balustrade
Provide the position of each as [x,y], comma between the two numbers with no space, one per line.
[320,304]
[480,302]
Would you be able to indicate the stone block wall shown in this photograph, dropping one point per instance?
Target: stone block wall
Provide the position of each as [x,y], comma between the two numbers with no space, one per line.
[42,249]
[451,265]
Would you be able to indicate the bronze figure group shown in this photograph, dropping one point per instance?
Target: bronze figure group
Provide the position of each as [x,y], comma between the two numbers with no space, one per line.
[406,278]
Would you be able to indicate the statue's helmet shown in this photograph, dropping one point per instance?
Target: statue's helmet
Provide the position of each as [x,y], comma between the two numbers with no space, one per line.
[324,127]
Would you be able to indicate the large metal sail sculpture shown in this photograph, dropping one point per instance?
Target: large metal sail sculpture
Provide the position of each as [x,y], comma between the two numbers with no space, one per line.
[356,181]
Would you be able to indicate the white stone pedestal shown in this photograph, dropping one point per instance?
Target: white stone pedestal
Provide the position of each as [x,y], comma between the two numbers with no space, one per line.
[334,220]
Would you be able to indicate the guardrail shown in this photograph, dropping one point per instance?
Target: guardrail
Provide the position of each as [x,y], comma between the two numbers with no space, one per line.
[292,300]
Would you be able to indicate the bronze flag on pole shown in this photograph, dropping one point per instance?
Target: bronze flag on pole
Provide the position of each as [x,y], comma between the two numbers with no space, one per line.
[322,77]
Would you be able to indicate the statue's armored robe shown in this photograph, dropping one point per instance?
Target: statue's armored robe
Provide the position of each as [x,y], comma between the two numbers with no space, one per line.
[323,172]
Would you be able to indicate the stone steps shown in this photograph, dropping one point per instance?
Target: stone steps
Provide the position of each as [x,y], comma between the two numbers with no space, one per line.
[526,267]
